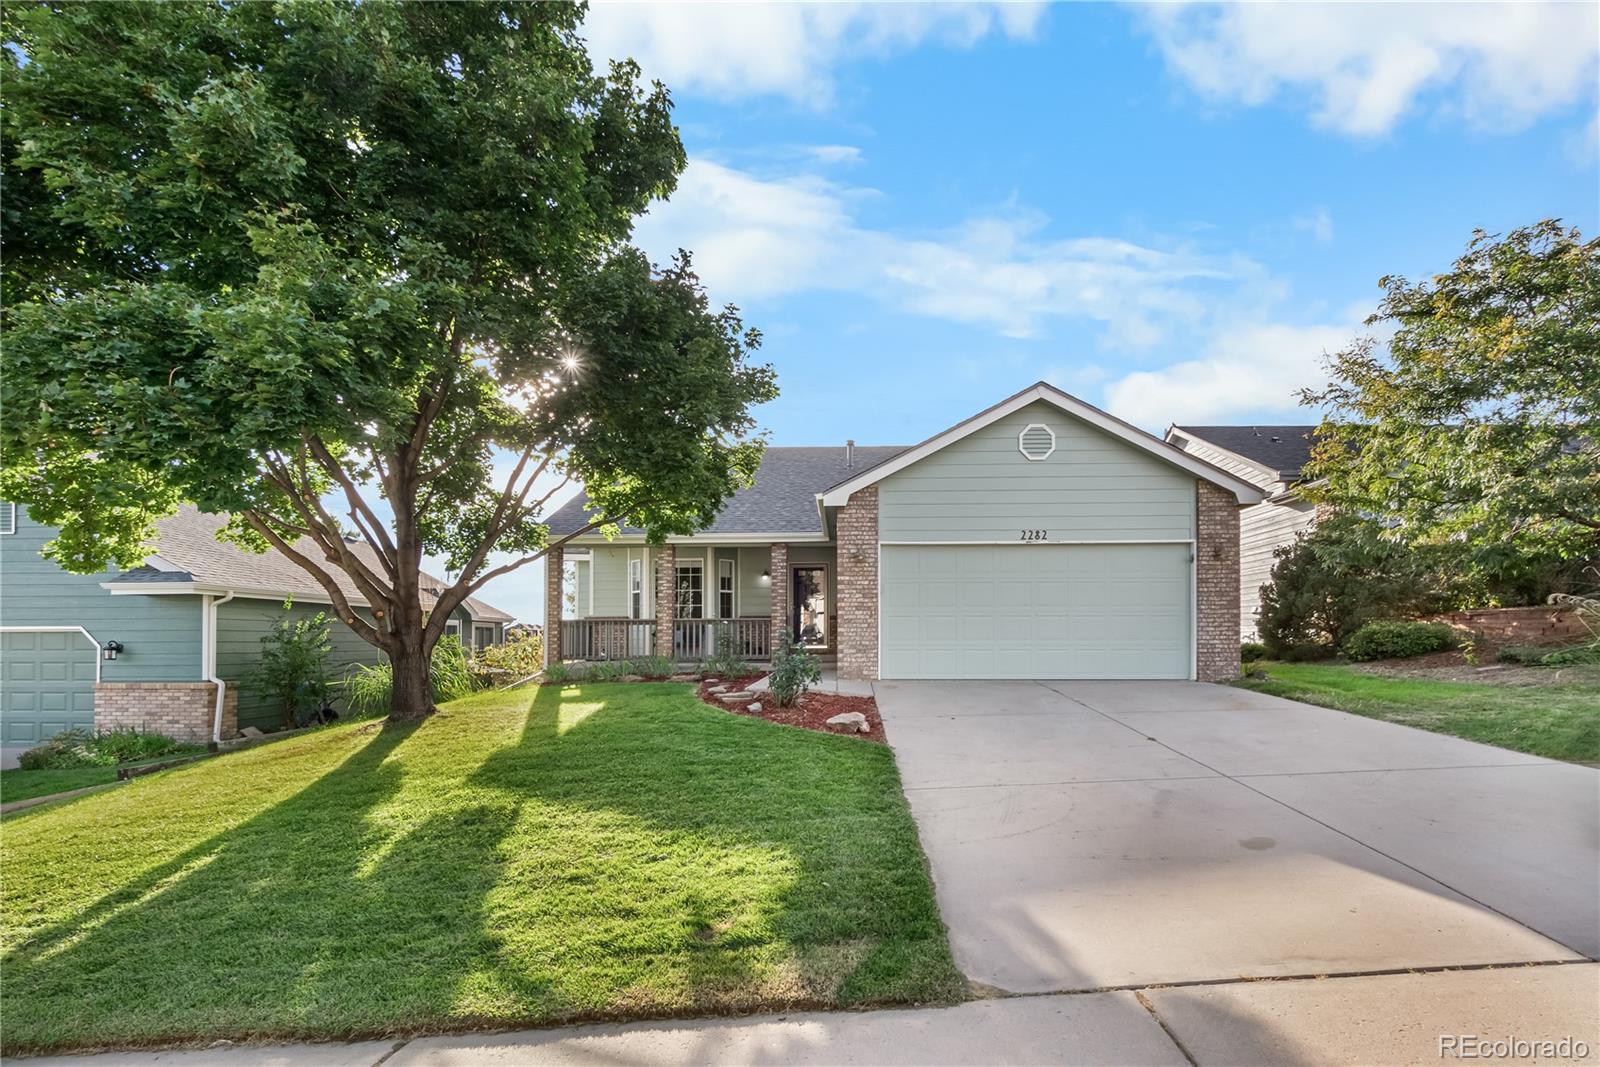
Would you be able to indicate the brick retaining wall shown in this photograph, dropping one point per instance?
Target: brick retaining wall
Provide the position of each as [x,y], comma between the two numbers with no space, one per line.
[180,710]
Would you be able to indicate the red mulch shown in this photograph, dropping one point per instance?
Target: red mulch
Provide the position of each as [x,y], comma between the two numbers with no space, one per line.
[811,712]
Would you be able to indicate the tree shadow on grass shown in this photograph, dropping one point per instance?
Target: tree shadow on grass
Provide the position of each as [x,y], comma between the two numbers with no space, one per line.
[631,852]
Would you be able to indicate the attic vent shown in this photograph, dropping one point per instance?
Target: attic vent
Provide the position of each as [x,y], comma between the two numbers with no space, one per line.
[1036,441]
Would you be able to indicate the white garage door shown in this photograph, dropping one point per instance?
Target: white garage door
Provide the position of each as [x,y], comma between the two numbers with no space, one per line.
[1035,611]
[46,683]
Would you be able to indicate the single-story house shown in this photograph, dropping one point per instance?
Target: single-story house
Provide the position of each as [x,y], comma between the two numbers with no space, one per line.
[149,647]
[1040,538]
[1270,458]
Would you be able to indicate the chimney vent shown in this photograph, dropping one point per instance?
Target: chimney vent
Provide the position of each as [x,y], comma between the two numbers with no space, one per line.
[849,455]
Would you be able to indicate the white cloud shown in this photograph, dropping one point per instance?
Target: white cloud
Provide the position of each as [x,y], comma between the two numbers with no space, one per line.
[1247,370]
[1319,224]
[783,49]
[1365,66]
[756,237]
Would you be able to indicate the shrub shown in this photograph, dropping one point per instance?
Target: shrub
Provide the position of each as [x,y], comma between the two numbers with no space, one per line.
[1397,640]
[80,748]
[726,662]
[1331,582]
[1307,652]
[367,691]
[608,670]
[1582,655]
[292,672]
[1527,655]
[520,656]
[1251,651]
[794,670]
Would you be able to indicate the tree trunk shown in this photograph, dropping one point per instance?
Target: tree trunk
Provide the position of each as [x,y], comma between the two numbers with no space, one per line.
[411,697]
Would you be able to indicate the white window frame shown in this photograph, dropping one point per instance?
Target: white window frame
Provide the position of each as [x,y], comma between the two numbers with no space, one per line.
[8,517]
[698,568]
[635,588]
[732,592]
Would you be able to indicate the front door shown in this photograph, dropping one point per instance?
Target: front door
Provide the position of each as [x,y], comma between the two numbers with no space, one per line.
[812,613]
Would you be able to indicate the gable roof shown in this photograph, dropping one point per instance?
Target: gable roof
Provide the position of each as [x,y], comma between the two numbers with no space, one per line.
[1284,450]
[188,554]
[1246,493]
[781,501]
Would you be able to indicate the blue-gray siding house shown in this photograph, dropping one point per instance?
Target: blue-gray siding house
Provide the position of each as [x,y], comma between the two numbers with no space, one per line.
[193,614]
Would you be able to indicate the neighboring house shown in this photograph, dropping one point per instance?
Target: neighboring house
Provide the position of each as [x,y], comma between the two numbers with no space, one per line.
[1270,458]
[1041,538]
[192,614]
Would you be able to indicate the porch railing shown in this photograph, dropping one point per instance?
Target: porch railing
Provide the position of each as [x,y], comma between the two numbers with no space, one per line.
[692,639]
[607,638]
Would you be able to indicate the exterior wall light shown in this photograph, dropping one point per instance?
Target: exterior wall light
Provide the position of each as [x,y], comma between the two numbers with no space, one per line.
[766,577]
[111,650]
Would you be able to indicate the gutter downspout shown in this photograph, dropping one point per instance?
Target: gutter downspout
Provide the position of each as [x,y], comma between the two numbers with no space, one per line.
[208,646]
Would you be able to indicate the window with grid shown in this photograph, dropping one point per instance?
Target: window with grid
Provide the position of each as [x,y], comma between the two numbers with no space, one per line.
[691,591]
[725,586]
[636,589]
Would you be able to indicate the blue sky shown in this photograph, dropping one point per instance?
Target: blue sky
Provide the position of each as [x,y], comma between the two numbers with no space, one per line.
[1171,212]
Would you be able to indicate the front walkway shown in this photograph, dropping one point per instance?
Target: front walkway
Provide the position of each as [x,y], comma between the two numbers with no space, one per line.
[1391,1019]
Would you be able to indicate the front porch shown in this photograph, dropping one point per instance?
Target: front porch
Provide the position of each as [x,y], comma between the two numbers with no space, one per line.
[609,601]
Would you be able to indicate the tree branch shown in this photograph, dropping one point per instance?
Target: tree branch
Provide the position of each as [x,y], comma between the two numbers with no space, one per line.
[341,603]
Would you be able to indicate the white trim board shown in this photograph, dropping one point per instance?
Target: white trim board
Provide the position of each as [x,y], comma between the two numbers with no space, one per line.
[1243,491]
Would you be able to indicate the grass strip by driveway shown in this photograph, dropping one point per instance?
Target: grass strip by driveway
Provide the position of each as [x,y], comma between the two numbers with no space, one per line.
[1555,721]
[25,785]
[605,850]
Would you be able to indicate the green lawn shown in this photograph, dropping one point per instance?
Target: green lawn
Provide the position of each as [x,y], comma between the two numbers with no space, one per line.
[1557,721]
[554,854]
[21,785]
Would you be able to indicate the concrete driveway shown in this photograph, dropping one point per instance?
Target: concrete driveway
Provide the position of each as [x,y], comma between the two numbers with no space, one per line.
[1093,835]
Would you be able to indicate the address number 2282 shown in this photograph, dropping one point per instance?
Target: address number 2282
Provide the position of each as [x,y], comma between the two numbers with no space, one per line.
[1035,535]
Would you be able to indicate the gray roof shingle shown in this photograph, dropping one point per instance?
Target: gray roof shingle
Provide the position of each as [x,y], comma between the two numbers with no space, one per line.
[782,500]
[1285,449]
[188,541]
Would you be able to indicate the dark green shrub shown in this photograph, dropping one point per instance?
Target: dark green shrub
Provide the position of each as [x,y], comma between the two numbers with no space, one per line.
[1528,655]
[70,749]
[794,670]
[1397,640]
[1251,651]
[1307,652]
[1332,581]
[1583,655]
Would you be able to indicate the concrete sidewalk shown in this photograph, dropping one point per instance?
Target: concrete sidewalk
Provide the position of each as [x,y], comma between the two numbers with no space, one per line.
[1390,1019]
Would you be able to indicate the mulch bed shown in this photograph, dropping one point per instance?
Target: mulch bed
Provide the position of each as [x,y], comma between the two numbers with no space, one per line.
[1452,666]
[811,712]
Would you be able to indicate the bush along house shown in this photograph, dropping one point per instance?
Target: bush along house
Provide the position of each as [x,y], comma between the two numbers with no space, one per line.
[160,647]
[1040,538]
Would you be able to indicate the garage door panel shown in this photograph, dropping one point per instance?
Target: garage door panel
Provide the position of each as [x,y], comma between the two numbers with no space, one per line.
[46,683]
[1035,611]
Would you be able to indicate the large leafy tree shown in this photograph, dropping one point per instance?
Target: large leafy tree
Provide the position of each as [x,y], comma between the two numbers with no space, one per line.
[1479,425]
[326,267]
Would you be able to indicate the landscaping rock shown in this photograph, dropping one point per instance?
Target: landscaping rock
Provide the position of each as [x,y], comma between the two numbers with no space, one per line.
[251,731]
[631,678]
[851,720]
[736,698]
[716,689]
[687,678]
[756,707]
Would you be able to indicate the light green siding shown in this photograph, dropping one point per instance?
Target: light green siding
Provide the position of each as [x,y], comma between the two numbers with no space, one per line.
[161,634]
[1035,611]
[610,581]
[242,623]
[582,608]
[755,595]
[1094,487]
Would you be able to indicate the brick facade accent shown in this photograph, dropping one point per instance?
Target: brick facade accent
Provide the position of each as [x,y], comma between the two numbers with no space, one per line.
[180,710]
[780,592]
[555,565]
[857,611]
[1216,583]
[666,597]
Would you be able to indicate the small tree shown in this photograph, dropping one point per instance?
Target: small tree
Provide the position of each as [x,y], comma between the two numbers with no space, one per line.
[794,670]
[1478,430]
[292,671]
[357,275]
